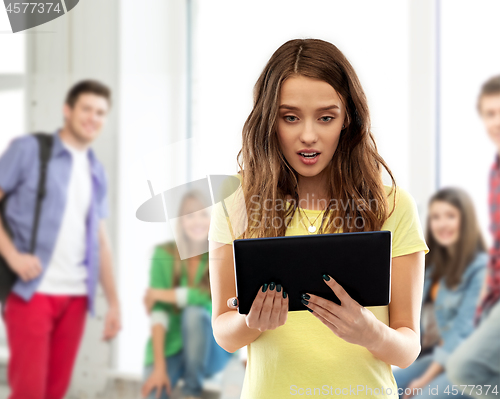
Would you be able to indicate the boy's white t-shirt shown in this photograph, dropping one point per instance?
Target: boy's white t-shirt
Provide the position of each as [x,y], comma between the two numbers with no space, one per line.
[66,272]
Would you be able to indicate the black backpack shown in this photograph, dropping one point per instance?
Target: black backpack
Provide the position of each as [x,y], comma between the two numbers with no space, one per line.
[7,276]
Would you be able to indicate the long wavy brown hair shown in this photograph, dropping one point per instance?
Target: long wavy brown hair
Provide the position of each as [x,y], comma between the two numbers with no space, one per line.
[470,240]
[355,171]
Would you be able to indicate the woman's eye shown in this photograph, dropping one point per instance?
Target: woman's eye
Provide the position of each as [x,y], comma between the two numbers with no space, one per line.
[329,118]
[290,118]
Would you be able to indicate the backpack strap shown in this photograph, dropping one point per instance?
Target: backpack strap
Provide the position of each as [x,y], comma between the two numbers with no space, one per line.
[45,141]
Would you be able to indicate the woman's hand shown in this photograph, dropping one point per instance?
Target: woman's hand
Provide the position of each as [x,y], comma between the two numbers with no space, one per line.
[414,385]
[349,320]
[158,379]
[269,309]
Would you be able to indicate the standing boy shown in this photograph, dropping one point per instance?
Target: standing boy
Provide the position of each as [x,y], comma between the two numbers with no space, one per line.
[45,312]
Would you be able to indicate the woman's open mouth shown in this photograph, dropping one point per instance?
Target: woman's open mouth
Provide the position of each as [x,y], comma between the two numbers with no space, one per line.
[309,158]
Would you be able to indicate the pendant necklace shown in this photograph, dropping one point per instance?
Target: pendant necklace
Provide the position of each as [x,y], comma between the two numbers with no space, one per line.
[312,227]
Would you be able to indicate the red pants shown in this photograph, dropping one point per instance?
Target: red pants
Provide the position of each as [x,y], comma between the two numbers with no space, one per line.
[43,336]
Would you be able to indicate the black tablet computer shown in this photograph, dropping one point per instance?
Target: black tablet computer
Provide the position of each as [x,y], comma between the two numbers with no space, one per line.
[360,262]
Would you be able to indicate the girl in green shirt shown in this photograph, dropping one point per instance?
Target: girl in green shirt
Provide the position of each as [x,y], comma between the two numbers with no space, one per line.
[178,300]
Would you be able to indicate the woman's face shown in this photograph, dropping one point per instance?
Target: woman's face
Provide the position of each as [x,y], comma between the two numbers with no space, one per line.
[444,222]
[310,119]
[195,222]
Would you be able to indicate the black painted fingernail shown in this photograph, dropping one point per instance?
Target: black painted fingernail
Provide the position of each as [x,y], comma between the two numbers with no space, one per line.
[278,288]
[309,309]
[284,294]
[304,302]
[305,296]
[326,277]
[264,287]
[235,302]
[271,286]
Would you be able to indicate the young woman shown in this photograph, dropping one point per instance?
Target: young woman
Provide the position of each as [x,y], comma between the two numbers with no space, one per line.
[182,344]
[454,274]
[311,166]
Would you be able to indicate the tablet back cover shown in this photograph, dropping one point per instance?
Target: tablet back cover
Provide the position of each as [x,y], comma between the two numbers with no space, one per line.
[360,262]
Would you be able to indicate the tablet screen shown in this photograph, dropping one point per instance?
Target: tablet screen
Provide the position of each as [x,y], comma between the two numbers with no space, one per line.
[360,262]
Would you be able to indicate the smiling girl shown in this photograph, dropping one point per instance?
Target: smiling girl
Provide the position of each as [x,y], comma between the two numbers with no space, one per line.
[307,143]
[454,274]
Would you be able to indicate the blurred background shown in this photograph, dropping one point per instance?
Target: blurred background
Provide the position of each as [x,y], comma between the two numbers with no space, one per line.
[182,74]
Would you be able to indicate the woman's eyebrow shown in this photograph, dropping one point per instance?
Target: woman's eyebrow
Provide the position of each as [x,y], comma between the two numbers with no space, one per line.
[291,107]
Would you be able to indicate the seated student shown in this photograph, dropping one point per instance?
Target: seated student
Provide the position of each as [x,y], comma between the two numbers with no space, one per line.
[182,344]
[476,363]
[455,270]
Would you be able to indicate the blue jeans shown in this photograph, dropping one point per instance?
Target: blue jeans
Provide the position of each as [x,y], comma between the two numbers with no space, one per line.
[416,369]
[201,357]
[476,361]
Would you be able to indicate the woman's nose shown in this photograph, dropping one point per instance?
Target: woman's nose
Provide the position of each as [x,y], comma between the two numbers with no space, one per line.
[308,134]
